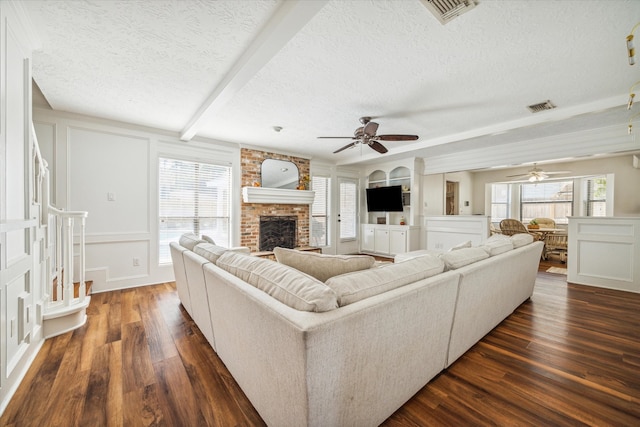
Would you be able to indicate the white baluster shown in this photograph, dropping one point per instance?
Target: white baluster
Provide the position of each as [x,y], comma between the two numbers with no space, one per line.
[59,260]
[68,262]
[83,285]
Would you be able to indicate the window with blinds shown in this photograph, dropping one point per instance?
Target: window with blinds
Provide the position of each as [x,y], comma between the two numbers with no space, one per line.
[596,196]
[194,197]
[320,211]
[348,210]
[500,202]
[548,199]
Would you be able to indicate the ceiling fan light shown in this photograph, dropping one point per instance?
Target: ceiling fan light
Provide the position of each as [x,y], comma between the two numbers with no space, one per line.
[533,178]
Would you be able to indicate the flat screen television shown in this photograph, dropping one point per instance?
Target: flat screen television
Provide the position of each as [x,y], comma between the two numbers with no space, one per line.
[385,199]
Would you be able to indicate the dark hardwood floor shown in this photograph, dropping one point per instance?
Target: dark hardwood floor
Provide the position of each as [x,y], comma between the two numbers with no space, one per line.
[568,356]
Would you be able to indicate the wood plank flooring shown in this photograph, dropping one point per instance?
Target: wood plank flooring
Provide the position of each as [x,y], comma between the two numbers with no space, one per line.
[568,356]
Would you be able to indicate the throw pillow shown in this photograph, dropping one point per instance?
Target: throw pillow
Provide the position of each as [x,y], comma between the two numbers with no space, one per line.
[207,239]
[320,266]
[460,258]
[287,285]
[189,241]
[462,245]
[352,287]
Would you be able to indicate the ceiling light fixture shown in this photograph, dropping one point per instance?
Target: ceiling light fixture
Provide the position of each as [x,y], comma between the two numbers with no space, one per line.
[277,128]
[631,96]
[630,48]
[630,128]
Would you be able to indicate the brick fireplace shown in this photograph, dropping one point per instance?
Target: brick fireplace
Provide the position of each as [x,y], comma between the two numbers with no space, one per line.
[250,213]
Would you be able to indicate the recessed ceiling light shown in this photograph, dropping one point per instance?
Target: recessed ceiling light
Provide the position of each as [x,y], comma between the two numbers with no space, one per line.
[277,128]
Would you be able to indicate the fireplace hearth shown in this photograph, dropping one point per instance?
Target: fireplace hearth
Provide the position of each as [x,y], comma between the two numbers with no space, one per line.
[278,231]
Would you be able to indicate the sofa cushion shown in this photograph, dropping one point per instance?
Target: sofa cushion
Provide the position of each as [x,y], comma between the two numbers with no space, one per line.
[287,285]
[521,239]
[209,251]
[320,266]
[498,244]
[189,241]
[462,257]
[414,254]
[352,287]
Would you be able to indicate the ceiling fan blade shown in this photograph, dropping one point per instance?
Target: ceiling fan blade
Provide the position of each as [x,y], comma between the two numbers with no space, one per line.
[397,137]
[370,128]
[335,137]
[345,147]
[556,172]
[378,147]
[519,175]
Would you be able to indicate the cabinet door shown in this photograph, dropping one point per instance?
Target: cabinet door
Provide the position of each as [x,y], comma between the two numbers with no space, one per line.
[397,241]
[382,241]
[368,239]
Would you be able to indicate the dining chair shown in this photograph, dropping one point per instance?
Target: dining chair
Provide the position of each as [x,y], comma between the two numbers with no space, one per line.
[556,244]
[545,222]
[510,227]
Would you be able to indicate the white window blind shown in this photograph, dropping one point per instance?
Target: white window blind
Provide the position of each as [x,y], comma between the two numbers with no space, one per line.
[500,202]
[348,210]
[320,211]
[194,197]
[596,196]
[548,199]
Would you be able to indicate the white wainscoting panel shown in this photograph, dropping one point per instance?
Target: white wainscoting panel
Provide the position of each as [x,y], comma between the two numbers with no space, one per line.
[444,232]
[604,252]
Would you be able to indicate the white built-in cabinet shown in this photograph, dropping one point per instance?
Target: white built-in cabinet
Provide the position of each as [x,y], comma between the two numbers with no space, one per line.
[391,233]
[389,239]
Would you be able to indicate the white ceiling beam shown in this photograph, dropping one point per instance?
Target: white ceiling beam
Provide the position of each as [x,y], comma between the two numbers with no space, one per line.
[290,17]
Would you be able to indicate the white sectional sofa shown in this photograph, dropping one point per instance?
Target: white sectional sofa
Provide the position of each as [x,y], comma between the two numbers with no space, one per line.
[351,349]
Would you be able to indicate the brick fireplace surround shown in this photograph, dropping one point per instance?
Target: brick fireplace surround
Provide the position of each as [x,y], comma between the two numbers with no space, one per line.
[250,162]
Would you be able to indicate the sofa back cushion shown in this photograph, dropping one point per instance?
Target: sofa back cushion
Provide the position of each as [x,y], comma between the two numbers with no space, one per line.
[189,241]
[352,287]
[287,285]
[462,257]
[521,239]
[213,252]
[320,266]
[209,251]
[498,244]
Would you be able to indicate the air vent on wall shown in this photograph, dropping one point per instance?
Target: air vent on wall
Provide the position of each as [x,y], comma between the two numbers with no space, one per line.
[446,10]
[546,105]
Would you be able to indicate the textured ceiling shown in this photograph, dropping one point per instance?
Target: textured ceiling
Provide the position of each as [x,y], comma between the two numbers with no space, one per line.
[163,63]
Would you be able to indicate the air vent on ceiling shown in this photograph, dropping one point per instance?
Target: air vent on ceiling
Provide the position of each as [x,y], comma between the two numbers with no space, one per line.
[546,105]
[446,10]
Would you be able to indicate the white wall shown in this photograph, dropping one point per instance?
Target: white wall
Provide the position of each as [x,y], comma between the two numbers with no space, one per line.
[93,158]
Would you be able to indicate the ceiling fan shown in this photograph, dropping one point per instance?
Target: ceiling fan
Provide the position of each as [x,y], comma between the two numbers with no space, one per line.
[366,135]
[536,174]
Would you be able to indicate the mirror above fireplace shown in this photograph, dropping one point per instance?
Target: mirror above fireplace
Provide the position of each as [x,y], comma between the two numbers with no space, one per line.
[279,174]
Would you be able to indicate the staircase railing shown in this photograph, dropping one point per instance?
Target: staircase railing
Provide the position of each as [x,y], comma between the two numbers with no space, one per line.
[65,229]
[64,224]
